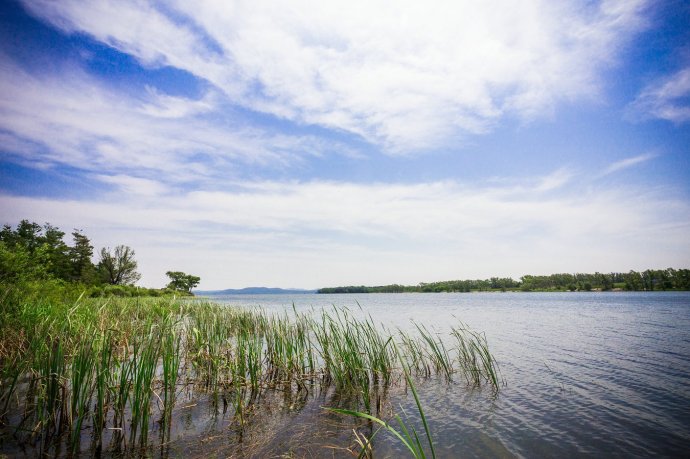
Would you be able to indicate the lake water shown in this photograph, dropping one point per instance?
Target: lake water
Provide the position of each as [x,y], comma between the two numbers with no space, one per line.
[587,374]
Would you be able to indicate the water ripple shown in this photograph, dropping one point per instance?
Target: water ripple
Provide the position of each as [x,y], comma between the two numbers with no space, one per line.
[588,374]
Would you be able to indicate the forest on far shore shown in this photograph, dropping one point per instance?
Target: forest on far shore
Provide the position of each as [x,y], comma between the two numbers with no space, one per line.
[648,280]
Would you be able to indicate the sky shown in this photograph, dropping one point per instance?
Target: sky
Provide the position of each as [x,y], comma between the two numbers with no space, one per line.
[308,144]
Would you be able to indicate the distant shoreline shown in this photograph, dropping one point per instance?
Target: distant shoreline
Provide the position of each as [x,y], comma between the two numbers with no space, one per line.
[615,290]
[255,291]
[648,280]
[214,293]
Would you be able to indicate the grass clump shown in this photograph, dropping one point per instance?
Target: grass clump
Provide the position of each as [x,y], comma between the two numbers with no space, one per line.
[98,369]
[408,436]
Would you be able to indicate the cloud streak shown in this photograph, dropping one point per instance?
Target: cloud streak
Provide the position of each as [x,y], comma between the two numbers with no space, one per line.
[70,118]
[330,231]
[197,177]
[627,163]
[415,77]
[665,99]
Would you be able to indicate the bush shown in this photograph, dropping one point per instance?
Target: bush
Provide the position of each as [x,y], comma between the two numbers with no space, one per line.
[129,291]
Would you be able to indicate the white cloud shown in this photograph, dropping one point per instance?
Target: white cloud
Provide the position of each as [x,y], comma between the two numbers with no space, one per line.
[136,186]
[320,233]
[70,118]
[407,77]
[554,180]
[165,106]
[410,77]
[665,98]
[628,162]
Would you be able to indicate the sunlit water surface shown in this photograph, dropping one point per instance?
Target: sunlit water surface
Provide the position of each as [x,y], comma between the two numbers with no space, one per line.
[586,374]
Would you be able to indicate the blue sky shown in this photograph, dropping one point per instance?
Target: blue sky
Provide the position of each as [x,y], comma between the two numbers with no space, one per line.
[307,145]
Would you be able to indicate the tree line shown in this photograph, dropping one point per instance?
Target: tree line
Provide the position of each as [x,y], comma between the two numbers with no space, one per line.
[31,255]
[648,280]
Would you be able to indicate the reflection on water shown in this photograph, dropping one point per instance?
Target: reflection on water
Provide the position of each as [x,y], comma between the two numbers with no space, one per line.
[588,374]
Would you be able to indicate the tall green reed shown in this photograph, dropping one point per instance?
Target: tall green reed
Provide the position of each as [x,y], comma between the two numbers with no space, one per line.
[52,403]
[436,352]
[171,356]
[408,436]
[104,382]
[83,367]
[141,346]
[144,361]
[476,361]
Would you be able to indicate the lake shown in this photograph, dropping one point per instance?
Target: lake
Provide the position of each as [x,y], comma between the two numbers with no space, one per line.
[586,373]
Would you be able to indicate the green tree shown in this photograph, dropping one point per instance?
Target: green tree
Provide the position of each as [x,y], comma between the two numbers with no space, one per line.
[605,281]
[633,281]
[28,235]
[82,268]
[181,281]
[681,279]
[18,265]
[58,252]
[43,245]
[118,267]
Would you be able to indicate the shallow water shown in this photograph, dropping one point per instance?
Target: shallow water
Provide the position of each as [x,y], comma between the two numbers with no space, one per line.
[587,374]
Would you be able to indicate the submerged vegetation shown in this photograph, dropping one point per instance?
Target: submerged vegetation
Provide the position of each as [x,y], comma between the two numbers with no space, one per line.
[95,375]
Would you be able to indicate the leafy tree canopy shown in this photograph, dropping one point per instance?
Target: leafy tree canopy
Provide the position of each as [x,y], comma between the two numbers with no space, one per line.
[118,267]
[181,281]
[36,262]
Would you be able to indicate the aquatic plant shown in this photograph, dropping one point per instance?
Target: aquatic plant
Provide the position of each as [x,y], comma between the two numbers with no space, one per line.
[171,357]
[104,381]
[101,367]
[436,352]
[144,361]
[476,362]
[406,435]
[83,366]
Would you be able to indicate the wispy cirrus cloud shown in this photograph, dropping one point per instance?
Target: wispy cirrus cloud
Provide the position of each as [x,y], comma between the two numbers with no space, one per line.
[408,78]
[666,98]
[333,231]
[193,178]
[628,162]
[555,180]
[134,186]
[70,118]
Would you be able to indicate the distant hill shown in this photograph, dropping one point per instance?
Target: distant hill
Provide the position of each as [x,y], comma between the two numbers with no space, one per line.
[255,291]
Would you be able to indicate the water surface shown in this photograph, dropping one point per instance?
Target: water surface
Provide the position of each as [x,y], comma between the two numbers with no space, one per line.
[586,373]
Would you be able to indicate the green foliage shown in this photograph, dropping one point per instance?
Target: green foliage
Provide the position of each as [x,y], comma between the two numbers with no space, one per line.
[664,279]
[26,277]
[90,369]
[17,264]
[181,281]
[119,266]
[37,252]
[129,291]
[34,252]
[407,435]
[82,268]
[36,264]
